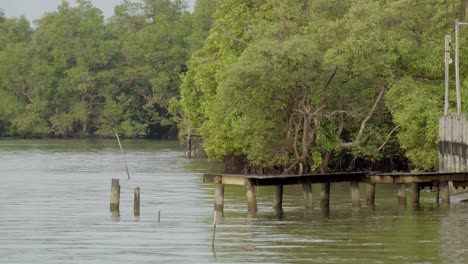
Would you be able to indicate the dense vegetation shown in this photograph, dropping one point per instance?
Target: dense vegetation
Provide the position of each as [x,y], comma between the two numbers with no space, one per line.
[300,86]
[74,75]
[274,85]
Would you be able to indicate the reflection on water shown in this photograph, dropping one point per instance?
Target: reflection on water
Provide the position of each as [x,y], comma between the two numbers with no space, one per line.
[54,208]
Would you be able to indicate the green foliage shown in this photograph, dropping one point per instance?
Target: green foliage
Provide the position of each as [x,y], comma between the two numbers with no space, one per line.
[285,82]
[153,57]
[253,100]
[418,114]
[74,75]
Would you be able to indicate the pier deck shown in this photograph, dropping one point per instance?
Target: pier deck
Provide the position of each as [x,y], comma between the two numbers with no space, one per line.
[437,180]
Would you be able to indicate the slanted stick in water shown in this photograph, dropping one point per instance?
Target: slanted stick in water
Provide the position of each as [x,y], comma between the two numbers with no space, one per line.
[123,155]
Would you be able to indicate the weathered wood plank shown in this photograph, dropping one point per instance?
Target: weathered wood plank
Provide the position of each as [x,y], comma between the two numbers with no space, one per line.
[408,178]
[372,178]
[233,180]
[441,146]
[449,137]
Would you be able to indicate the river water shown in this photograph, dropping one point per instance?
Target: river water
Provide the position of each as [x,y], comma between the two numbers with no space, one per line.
[54,208]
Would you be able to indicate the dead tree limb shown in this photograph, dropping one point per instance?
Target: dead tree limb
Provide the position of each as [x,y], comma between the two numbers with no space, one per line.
[123,155]
[388,137]
[357,140]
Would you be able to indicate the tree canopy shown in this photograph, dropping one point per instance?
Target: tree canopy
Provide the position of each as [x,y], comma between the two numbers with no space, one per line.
[300,86]
[75,75]
[293,86]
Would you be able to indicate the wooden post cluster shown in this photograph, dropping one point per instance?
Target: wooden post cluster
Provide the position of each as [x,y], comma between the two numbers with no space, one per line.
[414,181]
[115,199]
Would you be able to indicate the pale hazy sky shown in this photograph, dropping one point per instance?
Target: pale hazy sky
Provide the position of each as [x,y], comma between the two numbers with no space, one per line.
[34,9]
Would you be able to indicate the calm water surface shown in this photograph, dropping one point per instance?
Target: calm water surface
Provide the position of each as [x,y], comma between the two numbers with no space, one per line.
[54,208]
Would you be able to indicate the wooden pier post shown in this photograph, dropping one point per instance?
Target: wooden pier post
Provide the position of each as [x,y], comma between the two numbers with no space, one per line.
[251,199]
[401,194]
[415,194]
[219,194]
[308,200]
[189,147]
[355,195]
[325,196]
[115,196]
[444,192]
[278,197]
[188,138]
[371,194]
[136,202]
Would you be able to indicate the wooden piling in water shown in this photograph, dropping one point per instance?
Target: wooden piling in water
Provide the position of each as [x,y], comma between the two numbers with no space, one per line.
[371,194]
[219,194]
[115,196]
[308,200]
[213,238]
[251,198]
[415,194]
[278,197]
[189,146]
[444,192]
[136,202]
[355,195]
[325,196]
[401,194]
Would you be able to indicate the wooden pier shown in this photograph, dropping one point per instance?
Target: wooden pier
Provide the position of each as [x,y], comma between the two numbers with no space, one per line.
[438,180]
[453,173]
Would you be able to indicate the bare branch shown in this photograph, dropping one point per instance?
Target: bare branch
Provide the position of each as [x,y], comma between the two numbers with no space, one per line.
[290,167]
[296,136]
[388,137]
[123,155]
[320,109]
[357,140]
[340,128]
[341,112]
[332,76]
